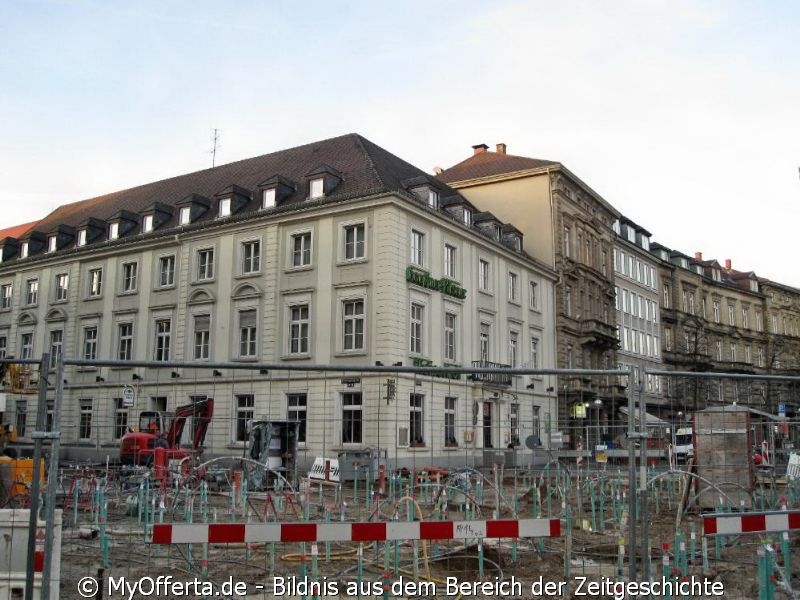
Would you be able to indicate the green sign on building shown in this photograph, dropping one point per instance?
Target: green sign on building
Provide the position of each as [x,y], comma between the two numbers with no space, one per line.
[443,285]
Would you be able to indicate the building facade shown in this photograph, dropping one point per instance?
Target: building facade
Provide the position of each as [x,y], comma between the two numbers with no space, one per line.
[636,272]
[333,253]
[568,226]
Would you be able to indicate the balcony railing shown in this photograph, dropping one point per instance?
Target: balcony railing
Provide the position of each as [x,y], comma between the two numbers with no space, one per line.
[491,378]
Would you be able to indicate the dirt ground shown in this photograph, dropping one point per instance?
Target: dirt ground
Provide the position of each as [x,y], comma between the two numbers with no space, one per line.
[562,563]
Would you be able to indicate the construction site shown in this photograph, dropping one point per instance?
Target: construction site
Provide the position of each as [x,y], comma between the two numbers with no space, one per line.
[417,482]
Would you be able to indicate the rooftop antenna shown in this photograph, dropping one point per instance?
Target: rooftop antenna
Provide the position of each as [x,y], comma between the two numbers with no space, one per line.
[214,145]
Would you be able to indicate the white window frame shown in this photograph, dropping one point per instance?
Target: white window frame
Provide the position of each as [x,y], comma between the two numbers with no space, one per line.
[418,247]
[85,422]
[513,287]
[354,249]
[95,282]
[204,268]
[56,346]
[485,342]
[484,275]
[6,295]
[416,419]
[352,402]
[166,271]
[513,348]
[450,256]
[147,223]
[52,243]
[248,334]
[268,198]
[299,329]
[533,291]
[534,362]
[26,344]
[24,250]
[62,287]
[354,325]
[201,337]
[130,276]
[185,215]
[450,336]
[113,230]
[297,410]
[125,341]
[417,328]
[81,238]
[32,292]
[224,208]
[450,415]
[90,341]
[120,419]
[316,188]
[251,256]
[245,408]
[301,256]
[162,341]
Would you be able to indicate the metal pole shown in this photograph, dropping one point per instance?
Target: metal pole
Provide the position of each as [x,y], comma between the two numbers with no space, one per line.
[41,417]
[52,480]
[643,484]
[631,478]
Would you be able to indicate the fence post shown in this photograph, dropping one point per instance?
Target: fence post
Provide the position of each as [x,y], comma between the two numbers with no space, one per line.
[52,480]
[41,418]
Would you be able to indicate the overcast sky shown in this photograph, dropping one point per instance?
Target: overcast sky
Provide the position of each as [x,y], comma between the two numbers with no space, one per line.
[683,115]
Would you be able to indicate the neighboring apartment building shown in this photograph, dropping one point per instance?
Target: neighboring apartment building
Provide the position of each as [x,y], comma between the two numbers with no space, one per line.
[636,272]
[782,355]
[712,320]
[568,226]
[332,253]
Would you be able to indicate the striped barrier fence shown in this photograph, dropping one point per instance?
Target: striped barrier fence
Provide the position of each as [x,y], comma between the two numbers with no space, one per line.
[760,522]
[233,533]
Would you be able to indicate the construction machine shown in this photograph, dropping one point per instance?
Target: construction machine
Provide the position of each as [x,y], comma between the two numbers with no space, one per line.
[164,429]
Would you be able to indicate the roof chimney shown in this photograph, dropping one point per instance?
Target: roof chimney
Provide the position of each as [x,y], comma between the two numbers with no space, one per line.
[479,148]
[438,170]
[698,256]
[501,148]
[728,264]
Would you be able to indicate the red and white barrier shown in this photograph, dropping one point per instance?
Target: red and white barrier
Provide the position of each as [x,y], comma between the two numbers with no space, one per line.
[762,522]
[241,533]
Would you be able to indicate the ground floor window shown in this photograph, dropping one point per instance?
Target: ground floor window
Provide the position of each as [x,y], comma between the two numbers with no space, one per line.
[85,425]
[352,418]
[120,418]
[416,419]
[245,409]
[450,421]
[297,405]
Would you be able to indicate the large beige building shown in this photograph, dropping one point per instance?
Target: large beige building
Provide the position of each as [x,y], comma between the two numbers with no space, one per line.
[333,253]
[568,226]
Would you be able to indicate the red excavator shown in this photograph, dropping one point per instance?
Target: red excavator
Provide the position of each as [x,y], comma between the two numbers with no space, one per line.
[136,447]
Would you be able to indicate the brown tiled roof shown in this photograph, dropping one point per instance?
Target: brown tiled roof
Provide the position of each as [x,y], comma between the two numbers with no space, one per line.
[17,231]
[487,164]
[365,169]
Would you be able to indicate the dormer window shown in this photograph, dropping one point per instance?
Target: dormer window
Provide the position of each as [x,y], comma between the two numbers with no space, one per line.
[753,285]
[1,254]
[715,275]
[646,242]
[81,237]
[147,224]
[52,243]
[316,188]
[113,231]
[433,199]
[467,217]
[268,198]
[186,215]
[23,252]
[631,235]
[685,263]
[224,207]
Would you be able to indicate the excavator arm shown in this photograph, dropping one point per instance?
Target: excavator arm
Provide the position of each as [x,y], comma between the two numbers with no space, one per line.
[202,412]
